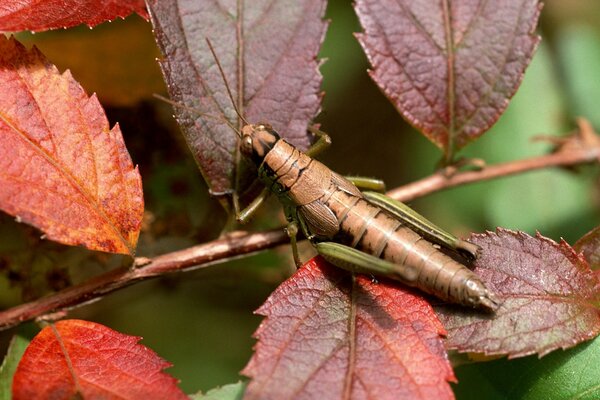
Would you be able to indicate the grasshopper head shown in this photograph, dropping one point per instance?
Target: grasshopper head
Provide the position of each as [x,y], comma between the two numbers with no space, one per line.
[257,141]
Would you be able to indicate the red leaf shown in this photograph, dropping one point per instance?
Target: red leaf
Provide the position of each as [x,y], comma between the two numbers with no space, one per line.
[41,15]
[75,356]
[268,52]
[328,336]
[550,298]
[61,168]
[450,67]
[589,245]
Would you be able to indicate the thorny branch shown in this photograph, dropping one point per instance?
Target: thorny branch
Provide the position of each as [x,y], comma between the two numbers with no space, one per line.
[580,148]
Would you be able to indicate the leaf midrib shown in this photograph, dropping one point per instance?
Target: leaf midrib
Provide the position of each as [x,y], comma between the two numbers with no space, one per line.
[451,91]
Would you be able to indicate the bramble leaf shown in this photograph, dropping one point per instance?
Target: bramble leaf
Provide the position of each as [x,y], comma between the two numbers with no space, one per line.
[549,298]
[75,357]
[41,15]
[61,168]
[330,335]
[268,52]
[450,68]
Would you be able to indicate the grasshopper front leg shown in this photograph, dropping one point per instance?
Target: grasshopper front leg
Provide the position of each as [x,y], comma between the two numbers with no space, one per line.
[422,225]
[244,215]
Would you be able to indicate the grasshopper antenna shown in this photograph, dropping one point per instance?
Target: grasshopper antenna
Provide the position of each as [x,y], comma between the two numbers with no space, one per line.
[193,110]
[237,111]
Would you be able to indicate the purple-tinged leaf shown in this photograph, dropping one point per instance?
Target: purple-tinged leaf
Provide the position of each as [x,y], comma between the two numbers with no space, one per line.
[328,335]
[449,67]
[549,298]
[268,52]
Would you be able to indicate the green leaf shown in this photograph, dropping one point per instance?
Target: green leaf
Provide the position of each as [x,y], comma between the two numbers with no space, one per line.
[571,374]
[233,391]
[16,349]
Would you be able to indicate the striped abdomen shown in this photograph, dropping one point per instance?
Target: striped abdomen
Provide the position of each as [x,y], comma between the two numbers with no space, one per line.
[420,264]
[333,209]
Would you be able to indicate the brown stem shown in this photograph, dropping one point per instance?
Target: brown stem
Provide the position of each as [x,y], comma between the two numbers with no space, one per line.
[579,149]
[441,180]
[195,257]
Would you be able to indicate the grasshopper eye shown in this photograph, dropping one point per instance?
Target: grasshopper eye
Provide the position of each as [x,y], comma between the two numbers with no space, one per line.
[246,145]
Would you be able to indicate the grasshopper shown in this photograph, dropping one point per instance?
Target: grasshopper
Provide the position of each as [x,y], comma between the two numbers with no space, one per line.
[360,231]
[364,232]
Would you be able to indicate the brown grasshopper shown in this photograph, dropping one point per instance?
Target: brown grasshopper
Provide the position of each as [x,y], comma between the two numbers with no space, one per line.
[365,232]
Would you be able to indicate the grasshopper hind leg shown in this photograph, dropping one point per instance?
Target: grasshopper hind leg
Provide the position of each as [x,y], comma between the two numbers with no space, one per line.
[353,260]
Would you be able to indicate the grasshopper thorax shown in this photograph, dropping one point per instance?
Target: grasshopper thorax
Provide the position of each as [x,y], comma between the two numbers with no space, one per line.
[257,141]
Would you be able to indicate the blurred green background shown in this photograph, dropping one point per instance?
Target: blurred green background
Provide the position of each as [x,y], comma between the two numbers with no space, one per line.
[202,321]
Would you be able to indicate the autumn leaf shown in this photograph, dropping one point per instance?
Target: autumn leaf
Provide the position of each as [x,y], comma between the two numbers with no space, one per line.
[75,356]
[449,67]
[61,168]
[41,15]
[549,298]
[589,245]
[268,53]
[328,335]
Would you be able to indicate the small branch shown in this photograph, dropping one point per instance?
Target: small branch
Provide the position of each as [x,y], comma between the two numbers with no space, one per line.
[580,148]
[204,255]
